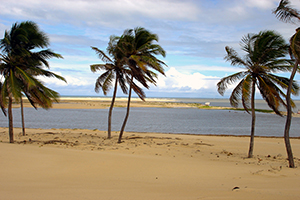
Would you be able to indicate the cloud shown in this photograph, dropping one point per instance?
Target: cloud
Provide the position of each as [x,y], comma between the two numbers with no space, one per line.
[175,80]
[262,4]
[100,12]
[193,33]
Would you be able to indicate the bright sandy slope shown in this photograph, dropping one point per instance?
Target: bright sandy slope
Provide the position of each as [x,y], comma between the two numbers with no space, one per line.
[77,164]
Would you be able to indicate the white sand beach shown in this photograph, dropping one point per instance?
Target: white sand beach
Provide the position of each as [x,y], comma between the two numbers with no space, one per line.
[82,164]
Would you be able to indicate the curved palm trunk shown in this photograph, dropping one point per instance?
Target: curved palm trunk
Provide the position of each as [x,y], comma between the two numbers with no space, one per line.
[127,114]
[22,116]
[10,121]
[289,119]
[250,153]
[111,108]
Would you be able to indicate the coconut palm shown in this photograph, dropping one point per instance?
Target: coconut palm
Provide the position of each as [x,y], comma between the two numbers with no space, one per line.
[139,51]
[286,13]
[114,70]
[265,55]
[20,65]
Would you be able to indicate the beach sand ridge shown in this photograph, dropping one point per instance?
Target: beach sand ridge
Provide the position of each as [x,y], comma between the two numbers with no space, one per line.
[84,164]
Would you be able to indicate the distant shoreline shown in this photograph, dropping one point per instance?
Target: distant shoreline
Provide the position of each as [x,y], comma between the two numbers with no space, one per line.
[104,102]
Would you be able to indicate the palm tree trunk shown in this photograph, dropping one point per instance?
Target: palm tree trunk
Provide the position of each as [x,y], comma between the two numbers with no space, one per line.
[250,153]
[127,114]
[10,121]
[22,116]
[289,119]
[111,108]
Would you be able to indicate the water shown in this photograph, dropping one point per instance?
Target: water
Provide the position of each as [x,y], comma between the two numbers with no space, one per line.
[259,103]
[165,120]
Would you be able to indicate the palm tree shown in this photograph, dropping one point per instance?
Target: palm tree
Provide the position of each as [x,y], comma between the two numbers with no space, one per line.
[265,55]
[20,65]
[139,50]
[150,77]
[22,116]
[114,70]
[288,14]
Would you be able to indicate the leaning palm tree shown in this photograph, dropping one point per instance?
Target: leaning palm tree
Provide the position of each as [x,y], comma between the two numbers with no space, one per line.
[286,13]
[114,70]
[20,65]
[138,50]
[265,55]
[150,77]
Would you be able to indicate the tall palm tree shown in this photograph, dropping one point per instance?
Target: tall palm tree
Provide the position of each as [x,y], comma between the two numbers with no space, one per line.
[20,65]
[114,70]
[139,53]
[286,13]
[265,55]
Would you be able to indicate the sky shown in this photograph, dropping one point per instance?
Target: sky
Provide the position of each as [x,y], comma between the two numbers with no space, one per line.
[193,33]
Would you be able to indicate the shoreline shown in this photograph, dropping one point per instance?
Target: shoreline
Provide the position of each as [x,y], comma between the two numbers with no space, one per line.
[84,164]
[104,103]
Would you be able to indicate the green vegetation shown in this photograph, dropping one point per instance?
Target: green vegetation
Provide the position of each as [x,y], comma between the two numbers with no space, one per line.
[132,56]
[265,55]
[20,64]
[139,52]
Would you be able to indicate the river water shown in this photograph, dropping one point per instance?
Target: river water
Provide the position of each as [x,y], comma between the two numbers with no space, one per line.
[165,120]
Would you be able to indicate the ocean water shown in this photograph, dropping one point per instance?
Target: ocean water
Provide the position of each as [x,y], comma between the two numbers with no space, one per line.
[165,120]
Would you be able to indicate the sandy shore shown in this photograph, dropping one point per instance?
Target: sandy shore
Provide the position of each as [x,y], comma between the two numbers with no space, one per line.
[83,164]
[101,103]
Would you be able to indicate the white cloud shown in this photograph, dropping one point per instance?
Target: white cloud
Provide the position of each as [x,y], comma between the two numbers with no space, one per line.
[262,4]
[73,79]
[106,12]
[194,81]
[203,68]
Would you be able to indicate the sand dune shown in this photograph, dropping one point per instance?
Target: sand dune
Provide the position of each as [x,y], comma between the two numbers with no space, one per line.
[83,164]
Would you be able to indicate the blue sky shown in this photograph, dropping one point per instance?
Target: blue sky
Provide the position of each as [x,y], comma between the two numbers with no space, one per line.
[193,33]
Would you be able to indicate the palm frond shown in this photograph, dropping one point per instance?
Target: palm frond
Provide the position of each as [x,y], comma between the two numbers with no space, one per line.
[2,100]
[94,68]
[285,12]
[224,82]
[283,82]
[295,44]
[26,78]
[102,55]
[37,71]
[271,94]
[236,94]
[14,86]
[246,92]
[120,75]
[104,82]
[139,91]
[233,57]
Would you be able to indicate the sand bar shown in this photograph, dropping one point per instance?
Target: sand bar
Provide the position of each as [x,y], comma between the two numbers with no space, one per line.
[83,164]
[103,103]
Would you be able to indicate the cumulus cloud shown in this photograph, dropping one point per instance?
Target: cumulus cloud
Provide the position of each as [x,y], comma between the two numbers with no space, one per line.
[194,81]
